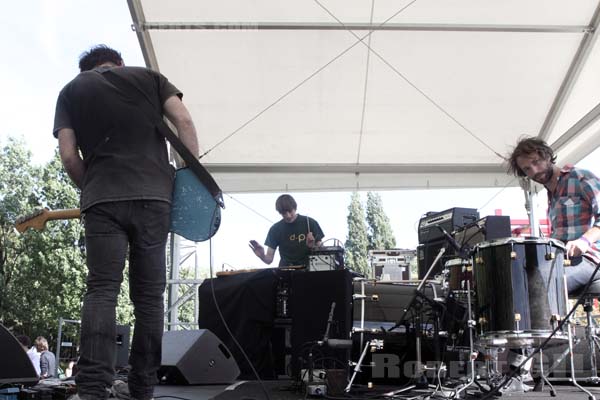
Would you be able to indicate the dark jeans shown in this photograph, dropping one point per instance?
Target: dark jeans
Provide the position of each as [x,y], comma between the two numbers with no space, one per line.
[110,229]
[579,273]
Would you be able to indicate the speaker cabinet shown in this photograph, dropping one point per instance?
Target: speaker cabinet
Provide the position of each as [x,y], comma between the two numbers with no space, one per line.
[15,365]
[426,254]
[196,357]
[312,295]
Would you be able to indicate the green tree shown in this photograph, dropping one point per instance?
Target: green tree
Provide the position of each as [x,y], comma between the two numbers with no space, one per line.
[42,273]
[356,242]
[380,232]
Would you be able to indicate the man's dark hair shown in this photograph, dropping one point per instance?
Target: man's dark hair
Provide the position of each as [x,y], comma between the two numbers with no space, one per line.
[284,203]
[24,340]
[526,147]
[98,55]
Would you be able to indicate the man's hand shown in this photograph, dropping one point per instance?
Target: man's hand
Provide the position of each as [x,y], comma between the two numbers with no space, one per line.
[577,247]
[257,249]
[310,240]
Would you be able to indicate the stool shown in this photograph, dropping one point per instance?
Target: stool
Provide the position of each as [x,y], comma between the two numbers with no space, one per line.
[591,337]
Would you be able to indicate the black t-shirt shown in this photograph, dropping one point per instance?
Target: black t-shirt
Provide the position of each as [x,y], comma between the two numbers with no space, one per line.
[291,239]
[124,155]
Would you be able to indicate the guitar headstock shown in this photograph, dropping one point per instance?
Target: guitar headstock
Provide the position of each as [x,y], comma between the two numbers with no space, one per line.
[36,220]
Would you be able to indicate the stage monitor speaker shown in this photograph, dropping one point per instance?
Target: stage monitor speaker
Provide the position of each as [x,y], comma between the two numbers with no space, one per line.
[122,345]
[15,365]
[196,357]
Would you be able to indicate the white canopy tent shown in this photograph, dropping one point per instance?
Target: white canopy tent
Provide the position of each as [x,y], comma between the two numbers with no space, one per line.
[347,94]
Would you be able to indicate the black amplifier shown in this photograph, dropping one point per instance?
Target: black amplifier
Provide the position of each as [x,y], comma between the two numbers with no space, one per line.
[486,229]
[449,220]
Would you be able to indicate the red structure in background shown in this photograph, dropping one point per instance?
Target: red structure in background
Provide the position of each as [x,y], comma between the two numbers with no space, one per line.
[520,227]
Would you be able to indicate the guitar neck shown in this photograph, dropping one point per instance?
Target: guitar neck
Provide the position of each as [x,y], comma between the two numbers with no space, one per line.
[38,220]
[63,214]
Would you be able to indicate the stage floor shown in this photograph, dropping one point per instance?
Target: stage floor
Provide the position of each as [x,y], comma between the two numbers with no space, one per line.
[290,390]
[286,390]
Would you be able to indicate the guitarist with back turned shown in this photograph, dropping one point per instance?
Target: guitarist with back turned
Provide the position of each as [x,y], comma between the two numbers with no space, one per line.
[114,154]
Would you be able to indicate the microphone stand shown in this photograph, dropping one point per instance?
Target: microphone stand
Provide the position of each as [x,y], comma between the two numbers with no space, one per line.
[320,343]
[418,293]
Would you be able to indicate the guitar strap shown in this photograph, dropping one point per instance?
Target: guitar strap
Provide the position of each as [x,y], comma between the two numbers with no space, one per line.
[191,161]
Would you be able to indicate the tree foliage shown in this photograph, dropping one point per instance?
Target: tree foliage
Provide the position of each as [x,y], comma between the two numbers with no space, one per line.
[356,242]
[42,273]
[380,232]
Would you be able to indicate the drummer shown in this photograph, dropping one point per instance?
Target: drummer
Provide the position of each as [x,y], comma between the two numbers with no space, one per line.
[573,205]
[295,235]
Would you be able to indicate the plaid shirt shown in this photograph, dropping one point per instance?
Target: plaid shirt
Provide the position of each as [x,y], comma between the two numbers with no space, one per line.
[573,207]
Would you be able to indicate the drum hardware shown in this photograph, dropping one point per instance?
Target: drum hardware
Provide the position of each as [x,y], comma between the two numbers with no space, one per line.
[550,256]
[570,329]
[570,335]
[373,345]
[362,298]
[567,262]
[471,326]
[555,320]
[418,294]
[544,380]
[482,323]
[521,278]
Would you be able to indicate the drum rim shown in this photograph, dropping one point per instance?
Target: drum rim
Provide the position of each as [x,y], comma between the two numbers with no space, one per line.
[521,240]
[515,337]
[455,261]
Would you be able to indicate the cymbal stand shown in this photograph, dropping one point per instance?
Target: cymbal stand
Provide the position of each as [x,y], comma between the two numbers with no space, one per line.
[472,353]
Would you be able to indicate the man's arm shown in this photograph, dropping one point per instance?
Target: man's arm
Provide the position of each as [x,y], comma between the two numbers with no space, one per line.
[259,250]
[315,236]
[590,191]
[69,154]
[179,115]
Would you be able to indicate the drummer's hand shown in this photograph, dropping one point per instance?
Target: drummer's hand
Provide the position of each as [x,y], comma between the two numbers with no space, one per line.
[257,248]
[310,240]
[576,248]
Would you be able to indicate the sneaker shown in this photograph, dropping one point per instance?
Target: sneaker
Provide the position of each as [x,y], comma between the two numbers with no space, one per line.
[515,385]
[78,397]
[120,390]
[527,378]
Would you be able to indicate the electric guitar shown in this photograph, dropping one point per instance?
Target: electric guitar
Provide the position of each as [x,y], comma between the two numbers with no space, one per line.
[195,215]
[38,219]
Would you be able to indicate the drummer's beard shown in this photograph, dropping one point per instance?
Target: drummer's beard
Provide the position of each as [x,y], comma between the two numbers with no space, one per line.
[545,176]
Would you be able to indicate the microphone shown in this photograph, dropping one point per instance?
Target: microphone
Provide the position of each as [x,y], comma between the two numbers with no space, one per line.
[457,248]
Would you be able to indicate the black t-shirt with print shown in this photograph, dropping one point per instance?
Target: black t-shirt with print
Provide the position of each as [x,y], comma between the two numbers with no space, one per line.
[291,239]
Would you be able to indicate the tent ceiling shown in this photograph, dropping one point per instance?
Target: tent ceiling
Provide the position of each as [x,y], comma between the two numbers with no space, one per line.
[346,94]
